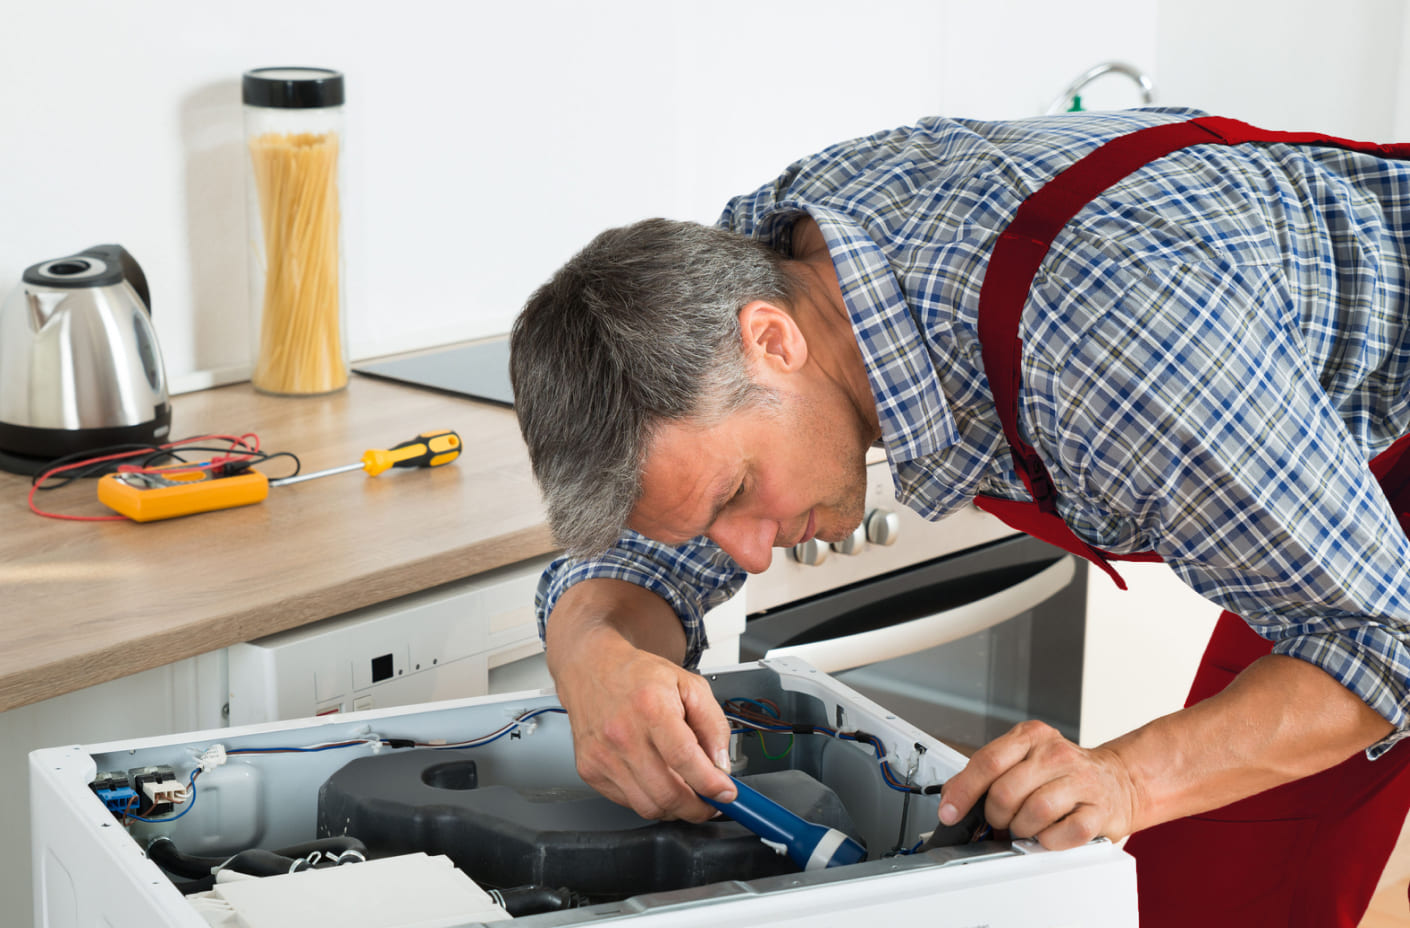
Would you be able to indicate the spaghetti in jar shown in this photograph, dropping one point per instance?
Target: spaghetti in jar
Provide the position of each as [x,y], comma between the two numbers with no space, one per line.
[293,132]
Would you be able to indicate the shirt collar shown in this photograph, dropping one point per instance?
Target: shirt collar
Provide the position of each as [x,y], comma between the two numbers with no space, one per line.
[913,411]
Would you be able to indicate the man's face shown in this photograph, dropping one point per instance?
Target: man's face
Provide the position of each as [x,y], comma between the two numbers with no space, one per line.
[760,479]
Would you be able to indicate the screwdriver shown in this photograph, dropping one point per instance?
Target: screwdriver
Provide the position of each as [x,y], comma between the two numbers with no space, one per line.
[429,449]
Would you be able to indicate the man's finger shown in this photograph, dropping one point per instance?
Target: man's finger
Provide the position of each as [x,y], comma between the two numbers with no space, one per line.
[1073,830]
[959,794]
[1040,808]
[711,729]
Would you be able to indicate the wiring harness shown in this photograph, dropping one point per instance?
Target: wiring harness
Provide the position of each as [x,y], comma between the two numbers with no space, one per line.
[762,715]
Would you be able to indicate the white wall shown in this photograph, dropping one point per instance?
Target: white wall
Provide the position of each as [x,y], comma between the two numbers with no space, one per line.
[1337,66]
[486,142]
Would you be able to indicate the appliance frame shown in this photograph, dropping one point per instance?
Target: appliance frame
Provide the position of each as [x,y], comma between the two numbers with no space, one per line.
[90,872]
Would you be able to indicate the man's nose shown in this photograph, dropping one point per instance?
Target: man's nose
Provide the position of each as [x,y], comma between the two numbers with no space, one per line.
[749,541]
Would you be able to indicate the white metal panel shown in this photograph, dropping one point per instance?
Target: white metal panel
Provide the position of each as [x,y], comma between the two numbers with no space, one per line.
[433,645]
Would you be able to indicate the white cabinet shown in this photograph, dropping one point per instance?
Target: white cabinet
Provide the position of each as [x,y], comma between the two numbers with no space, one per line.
[1143,645]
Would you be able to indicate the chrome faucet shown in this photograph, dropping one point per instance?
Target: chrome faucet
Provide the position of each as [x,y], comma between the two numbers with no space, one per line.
[1120,67]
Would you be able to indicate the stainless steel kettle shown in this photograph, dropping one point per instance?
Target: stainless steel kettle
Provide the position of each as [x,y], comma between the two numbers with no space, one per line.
[79,364]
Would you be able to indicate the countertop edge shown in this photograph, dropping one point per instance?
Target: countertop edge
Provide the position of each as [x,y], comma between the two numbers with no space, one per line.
[138,653]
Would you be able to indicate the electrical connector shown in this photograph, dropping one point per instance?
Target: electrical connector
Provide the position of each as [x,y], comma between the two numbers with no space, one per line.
[157,789]
[115,791]
[211,758]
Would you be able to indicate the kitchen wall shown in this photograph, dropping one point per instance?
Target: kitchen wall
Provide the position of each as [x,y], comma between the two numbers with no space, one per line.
[486,142]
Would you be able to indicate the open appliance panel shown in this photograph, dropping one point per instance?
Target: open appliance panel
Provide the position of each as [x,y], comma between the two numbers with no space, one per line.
[91,871]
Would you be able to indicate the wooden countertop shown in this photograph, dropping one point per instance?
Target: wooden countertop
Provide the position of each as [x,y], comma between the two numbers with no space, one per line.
[86,602]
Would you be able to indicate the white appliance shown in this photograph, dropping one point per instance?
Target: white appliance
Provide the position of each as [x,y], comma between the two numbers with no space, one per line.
[276,784]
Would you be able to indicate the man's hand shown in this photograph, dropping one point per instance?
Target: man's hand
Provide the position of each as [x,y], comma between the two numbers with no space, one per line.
[1281,719]
[1043,786]
[646,733]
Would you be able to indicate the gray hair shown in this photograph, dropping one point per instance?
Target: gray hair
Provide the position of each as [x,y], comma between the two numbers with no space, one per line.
[639,328]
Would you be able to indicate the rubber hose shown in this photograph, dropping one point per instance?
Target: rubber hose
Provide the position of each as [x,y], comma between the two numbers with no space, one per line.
[162,851]
[535,898]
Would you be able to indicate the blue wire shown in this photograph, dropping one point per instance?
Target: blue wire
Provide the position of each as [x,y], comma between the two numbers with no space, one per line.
[888,776]
[325,747]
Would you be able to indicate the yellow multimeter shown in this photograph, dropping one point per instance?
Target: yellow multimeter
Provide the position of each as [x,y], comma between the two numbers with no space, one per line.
[180,490]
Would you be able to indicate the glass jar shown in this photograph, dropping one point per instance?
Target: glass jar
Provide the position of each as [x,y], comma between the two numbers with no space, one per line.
[293,134]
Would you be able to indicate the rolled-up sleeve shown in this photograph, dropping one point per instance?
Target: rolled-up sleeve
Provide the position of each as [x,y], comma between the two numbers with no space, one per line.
[1207,437]
[692,578]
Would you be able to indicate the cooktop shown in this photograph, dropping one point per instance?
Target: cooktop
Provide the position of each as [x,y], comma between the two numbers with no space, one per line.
[478,370]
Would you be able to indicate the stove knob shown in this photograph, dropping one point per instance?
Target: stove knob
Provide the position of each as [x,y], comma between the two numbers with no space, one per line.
[853,543]
[813,551]
[882,527]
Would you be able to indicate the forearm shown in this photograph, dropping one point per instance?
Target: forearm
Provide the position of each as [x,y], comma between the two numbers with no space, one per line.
[598,615]
[1280,720]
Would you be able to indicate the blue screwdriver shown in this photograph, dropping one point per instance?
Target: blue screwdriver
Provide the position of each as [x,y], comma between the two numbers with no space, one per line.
[811,846]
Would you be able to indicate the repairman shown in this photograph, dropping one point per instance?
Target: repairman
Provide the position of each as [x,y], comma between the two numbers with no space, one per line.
[1149,334]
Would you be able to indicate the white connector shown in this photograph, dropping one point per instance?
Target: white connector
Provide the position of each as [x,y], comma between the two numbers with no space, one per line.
[211,758]
[173,791]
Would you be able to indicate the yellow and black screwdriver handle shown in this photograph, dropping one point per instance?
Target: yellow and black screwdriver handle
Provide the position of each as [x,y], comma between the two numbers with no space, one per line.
[429,449]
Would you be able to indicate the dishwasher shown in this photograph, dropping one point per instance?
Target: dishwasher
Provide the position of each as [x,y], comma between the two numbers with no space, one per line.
[470,812]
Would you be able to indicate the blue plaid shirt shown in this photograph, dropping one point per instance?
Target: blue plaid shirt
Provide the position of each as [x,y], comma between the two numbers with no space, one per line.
[1213,350]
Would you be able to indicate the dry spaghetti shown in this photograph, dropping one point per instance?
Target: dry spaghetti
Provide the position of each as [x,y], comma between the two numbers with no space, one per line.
[300,337]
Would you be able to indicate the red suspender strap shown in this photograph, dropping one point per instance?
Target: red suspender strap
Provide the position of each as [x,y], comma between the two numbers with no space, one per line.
[1023,245]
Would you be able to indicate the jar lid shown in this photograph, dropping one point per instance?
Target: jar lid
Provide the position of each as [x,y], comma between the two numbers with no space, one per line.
[293,88]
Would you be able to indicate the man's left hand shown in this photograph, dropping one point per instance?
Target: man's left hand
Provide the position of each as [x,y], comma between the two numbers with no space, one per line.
[1043,786]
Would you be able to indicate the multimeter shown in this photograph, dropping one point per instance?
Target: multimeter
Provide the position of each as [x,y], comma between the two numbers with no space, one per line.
[181,490]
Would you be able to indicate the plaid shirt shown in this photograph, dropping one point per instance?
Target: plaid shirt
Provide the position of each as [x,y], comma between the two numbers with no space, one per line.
[1213,349]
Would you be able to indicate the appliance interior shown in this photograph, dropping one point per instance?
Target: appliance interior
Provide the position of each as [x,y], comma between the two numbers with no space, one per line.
[510,810]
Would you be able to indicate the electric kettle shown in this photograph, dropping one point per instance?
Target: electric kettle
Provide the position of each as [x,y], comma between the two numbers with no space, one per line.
[79,364]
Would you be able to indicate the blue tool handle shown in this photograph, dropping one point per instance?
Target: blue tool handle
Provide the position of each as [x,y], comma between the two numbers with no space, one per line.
[811,846]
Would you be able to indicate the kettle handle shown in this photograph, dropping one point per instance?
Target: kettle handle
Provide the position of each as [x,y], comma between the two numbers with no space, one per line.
[131,270]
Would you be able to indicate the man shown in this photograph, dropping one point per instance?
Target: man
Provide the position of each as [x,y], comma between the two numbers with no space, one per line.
[1199,365]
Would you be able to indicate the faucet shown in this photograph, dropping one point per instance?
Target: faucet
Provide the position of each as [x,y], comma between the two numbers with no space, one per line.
[1070,94]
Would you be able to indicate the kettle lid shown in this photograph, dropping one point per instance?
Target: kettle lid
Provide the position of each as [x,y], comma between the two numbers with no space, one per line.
[99,266]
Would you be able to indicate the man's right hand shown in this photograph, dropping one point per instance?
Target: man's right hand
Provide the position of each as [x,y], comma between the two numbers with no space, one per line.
[646,733]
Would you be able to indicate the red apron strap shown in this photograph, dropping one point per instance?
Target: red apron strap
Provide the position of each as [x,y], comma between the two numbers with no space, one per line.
[1049,527]
[1014,263]
[1392,469]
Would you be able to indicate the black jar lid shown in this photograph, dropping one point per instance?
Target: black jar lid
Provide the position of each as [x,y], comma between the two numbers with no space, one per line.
[293,88]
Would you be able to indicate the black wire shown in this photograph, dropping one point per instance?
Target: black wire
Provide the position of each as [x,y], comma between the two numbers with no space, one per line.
[96,469]
[155,458]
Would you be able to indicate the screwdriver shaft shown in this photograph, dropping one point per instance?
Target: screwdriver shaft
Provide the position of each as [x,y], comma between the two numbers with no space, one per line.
[299,478]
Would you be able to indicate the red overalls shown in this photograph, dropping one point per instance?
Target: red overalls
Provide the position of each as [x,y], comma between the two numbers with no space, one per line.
[1305,854]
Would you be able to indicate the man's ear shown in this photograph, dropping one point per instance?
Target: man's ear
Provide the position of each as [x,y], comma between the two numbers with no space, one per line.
[772,337]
